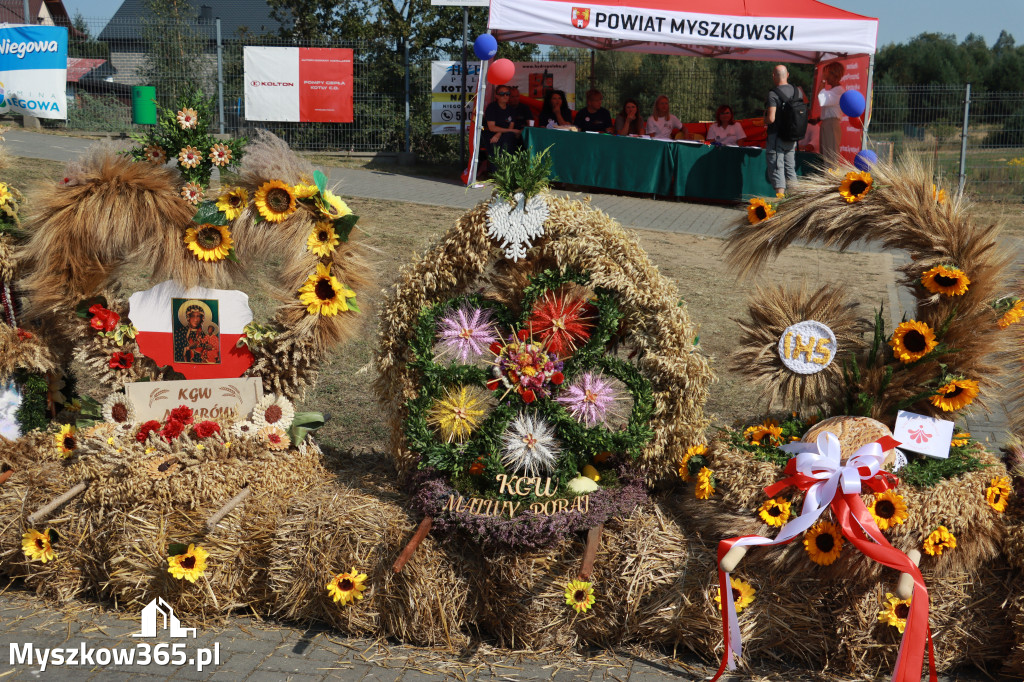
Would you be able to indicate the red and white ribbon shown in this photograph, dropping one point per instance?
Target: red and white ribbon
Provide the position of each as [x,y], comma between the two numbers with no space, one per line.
[818,470]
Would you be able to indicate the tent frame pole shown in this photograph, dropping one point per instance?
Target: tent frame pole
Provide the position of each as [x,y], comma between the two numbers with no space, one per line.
[867,106]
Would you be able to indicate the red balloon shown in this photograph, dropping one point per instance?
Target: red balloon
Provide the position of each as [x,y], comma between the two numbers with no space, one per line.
[500,71]
[857,123]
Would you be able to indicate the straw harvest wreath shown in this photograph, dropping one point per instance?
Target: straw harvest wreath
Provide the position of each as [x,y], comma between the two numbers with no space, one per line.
[536,369]
[808,353]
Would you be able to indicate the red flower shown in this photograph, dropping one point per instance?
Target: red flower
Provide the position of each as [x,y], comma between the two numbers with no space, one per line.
[523,334]
[102,319]
[557,378]
[172,429]
[206,429]
[562,323]
[146,429]
[24,335]
[477,467]
[529,396]
[493,384]
[496,348]
[183,414]
[122,360]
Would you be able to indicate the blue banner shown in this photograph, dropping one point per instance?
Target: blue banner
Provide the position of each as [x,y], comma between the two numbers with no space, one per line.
[33,71]
[33,47]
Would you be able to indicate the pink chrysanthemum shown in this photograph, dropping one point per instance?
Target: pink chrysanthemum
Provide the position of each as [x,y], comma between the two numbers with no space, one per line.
[589,398]
[467,332]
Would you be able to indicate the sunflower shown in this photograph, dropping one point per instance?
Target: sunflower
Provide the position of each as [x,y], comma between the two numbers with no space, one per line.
[65,440]
[155,154]
[187,118]
[189,157]
[855,186]
[1012,315]
[322,240]
[220,154]
[997,493]
[162,467]
[775,512]
[767,433]
[274,438]
[192,193]
[940,539]
[960,439]
[894,612]
[37,546]
[323,294]
[759,210]
[233,202]
[210,243]
[275,201]
[955,395]
[347,587]
[273,411]
[947,280]
[684,463]
[331,205]
[190,565]
[579,594]
[459,412]
[823,542]
[888,509]
[742,594]
[705,484]
[305,190]
[912,340]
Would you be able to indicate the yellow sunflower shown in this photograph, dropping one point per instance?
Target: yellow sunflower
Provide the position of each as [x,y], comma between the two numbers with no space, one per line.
[65,440]
[855,186]
[684,463]
[956,395]
[187,118]
[323,294]
[322,240]
[889,509]
[767,433]
[220,154]
[347,587]
[940,539]
[759,210]
[156,154]
[997,494]
[775,512]
[960,439]
[190,565]
[210,243]
[939,196]
[912,341]
[894,612]
[459,412]
[1013,315]
[331,205]
[189,157]
[742,594]
[824,543]
[233,202]
[579,594]
[37,546]
[705,484]
[275,201]
[950,281]
[305,191]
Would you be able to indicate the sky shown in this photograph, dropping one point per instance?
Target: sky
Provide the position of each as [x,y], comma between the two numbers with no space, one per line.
[898,20]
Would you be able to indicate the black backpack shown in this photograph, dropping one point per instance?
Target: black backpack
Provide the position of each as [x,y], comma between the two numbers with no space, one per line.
[790,116]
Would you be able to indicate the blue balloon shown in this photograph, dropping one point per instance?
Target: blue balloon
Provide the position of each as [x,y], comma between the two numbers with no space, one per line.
[485,46]
[865,159]
[852,103]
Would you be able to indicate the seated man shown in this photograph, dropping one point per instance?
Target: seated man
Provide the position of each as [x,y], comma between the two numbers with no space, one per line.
[500,131]
[522,115]
[594,118]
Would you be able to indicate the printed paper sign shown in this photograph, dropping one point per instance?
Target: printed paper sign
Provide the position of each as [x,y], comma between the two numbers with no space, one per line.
[307,84]
[924,435]
[209,398]
[446,94]
[807,347]
[34,71]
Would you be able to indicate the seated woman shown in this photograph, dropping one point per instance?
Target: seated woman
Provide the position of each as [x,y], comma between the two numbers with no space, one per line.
[555,111]
[629,121]
[725,129]
[662,124]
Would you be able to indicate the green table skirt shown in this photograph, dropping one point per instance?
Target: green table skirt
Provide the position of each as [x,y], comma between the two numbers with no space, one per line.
[655,167]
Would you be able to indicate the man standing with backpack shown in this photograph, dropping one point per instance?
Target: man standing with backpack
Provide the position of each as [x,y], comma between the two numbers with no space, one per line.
[786,116]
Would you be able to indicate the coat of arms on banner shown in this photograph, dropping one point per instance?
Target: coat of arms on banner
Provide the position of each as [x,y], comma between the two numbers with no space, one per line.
[580,17]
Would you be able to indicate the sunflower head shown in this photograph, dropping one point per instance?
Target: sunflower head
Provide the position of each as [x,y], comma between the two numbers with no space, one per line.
[305,190]
[759,210]
[938,541]
[742,594]
[1011,310]
[997,494]
[322,239]
[323,294]
[894,612]
[955,394]
[705,484]
[947,280]
[694,455]
[855,186]
[775,512]
[210,243]
[579,594]
[38,546]
[960,440]
[346,588]
[233,202]
[189,565]
[275,201]
[66,440]
[888,509]
[824,543]
[912,340]
[768,433]
[331,205]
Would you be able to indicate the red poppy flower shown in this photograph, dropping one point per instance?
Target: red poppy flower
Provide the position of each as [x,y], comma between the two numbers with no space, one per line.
[557,378]
[562,323]
[103,320]
[529,396]
[206,429]
[122,360]
[146,429]
[183,414]
[172,429]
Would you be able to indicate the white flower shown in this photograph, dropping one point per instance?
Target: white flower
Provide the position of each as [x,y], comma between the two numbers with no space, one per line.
[516,227]
[273,411]
[118,409]
[244,429]
[529,446]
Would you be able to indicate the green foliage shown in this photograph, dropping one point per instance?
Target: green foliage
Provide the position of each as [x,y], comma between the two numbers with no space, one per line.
[793,428]
[86,44]
[32,413]
[925,472]
[99,112]
[175,59]
[521,171]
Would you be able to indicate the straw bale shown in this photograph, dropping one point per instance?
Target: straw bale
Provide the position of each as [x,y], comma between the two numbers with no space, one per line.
[6,256]
[1015,607]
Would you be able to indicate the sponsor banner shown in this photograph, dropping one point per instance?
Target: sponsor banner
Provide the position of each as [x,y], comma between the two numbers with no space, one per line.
[305,84]
[446,94]
[33,71]
[855,78]
[208,398]
[657,24]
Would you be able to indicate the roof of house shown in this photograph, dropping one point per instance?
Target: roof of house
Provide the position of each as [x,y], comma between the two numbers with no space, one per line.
[80,66]
[128,23]
[12,11]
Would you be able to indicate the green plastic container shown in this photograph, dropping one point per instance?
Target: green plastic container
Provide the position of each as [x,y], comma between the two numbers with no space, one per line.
[144,104]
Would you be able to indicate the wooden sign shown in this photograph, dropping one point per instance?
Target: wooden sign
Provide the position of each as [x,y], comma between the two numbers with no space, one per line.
[208,398]
[522,486]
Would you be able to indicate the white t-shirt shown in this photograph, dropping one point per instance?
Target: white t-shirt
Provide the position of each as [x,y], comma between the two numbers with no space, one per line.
[731,134]
[662,128]
[828,100]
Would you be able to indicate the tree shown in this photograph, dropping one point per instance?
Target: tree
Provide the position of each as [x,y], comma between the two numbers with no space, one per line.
[83,44]
[175,56]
